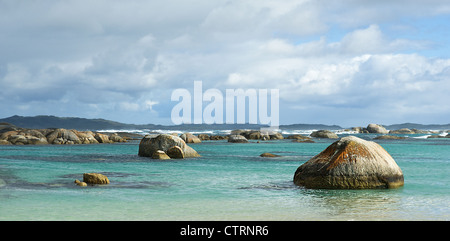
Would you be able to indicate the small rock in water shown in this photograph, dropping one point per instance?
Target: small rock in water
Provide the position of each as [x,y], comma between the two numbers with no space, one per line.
[160,155]
[266,154]
[175,152]
[95,178]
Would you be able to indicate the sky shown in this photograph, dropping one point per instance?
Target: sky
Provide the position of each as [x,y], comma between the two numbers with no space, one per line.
[348,63]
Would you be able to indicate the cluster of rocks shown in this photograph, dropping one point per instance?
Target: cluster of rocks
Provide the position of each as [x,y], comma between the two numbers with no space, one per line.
[379,129]
[92,178]
[165,146]
[12,135]
[371,128]
[258,135]
[438,136]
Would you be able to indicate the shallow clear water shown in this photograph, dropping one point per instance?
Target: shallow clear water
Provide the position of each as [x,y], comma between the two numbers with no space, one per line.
[229,182]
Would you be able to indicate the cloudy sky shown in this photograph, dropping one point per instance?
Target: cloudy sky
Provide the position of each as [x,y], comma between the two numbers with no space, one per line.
[334,62]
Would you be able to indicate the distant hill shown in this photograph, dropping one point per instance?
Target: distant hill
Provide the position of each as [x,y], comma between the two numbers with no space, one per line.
[418,126]
[310,127]
[46,121]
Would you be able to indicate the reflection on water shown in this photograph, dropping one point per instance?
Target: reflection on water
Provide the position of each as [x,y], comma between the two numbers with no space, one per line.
[376,204]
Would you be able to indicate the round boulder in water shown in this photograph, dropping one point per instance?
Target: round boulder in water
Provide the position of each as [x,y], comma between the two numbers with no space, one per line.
[164,142]
[350,163]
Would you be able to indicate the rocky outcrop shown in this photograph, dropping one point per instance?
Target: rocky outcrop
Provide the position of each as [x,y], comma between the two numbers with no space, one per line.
[12,135]
[95,178]
[276,136]
[63,136]
[409,131]
[86,137]
[375,128]
[402,131]
[438,136]
[389,137]
[204,137]
[218,137]
[324,134]
[350,163]
[237,139]
[297,137]
[5,142]
[258,135]
[164,142]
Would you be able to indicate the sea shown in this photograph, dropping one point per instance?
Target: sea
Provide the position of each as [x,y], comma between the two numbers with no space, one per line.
[230,181]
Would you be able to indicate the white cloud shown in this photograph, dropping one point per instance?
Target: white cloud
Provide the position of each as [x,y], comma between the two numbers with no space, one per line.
[128,56]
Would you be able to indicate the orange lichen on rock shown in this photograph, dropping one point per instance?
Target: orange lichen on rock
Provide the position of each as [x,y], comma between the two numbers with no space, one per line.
[350,163]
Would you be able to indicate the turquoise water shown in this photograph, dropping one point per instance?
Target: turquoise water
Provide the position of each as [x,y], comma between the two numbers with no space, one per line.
[229,182]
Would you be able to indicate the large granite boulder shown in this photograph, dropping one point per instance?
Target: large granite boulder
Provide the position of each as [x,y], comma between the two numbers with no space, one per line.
[164,142]
[350,163]
[190,138]
[237,139]
[375,128]
[324,134]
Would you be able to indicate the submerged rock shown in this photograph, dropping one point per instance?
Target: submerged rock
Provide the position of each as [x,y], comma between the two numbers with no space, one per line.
[350,163]
[164,142]
[303,141]
[266,154]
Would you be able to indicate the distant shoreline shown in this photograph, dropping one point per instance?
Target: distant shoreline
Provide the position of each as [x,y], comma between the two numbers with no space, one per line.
[83,124]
